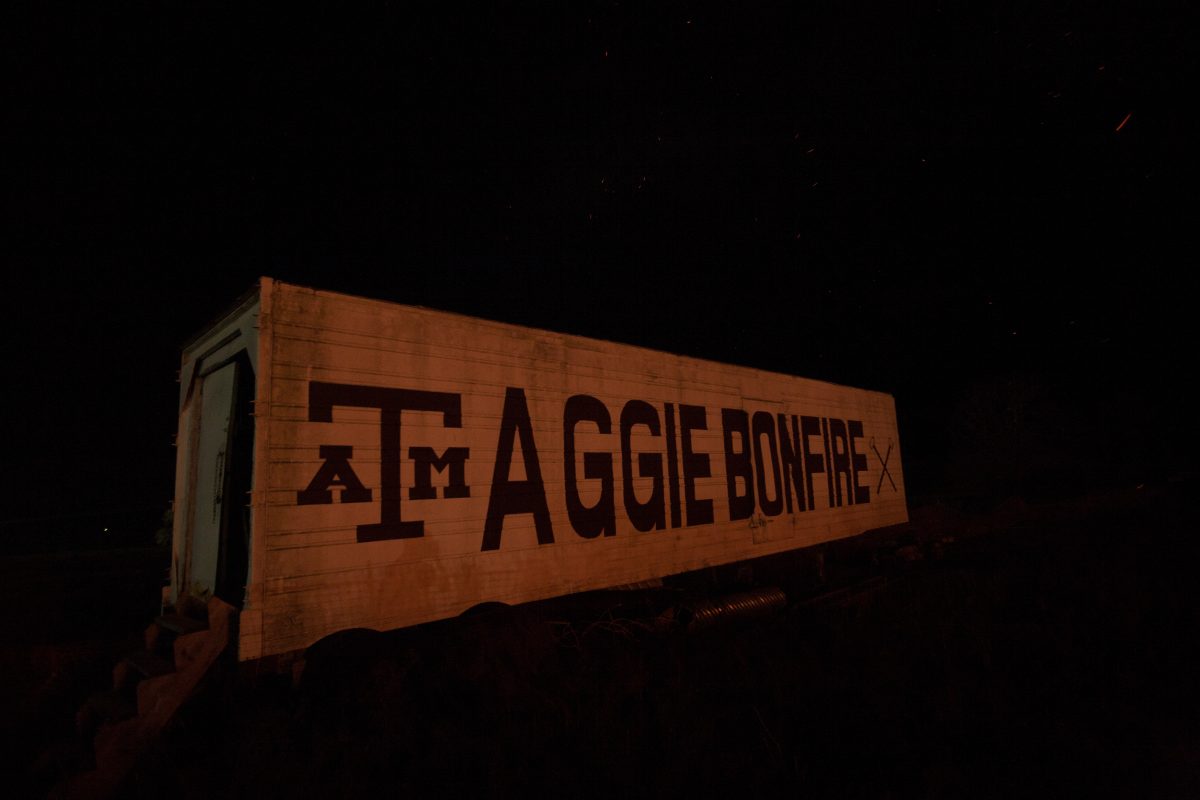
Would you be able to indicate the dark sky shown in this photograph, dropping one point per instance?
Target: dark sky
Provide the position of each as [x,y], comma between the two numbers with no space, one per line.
[984,208]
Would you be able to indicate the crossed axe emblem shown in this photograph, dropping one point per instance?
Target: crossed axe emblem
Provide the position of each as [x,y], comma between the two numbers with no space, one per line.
[883,461]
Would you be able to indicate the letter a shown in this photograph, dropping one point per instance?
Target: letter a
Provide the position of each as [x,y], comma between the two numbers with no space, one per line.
[336,471]
[516,497]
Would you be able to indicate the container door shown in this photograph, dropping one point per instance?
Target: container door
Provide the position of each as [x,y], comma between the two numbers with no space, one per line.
[218,535]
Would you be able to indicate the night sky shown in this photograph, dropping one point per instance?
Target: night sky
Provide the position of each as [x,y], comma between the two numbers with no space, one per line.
[986,209]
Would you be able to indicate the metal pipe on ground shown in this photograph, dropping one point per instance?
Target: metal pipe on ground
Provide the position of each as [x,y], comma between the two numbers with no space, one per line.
[710,613]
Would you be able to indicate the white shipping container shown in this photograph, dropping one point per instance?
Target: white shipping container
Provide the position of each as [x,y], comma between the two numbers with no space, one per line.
[350,463]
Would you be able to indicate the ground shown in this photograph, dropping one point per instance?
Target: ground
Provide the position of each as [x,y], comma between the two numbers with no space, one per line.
[1045,650]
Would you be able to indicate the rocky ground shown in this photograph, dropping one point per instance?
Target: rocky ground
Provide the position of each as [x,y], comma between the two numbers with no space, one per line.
[1011,651]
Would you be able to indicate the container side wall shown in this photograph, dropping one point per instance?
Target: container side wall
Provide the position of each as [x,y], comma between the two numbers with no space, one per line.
[420,463]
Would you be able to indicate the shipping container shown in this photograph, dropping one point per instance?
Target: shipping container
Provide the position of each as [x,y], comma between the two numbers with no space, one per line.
[351,463]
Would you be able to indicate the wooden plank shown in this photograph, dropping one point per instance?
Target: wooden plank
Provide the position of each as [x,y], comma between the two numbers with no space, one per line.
[314,575]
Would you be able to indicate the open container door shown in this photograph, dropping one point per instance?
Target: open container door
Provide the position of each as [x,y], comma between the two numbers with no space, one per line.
[214,463]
